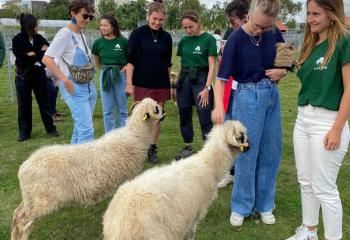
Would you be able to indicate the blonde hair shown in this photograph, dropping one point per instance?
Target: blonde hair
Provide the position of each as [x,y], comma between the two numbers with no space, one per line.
[156,6]
[335,11]
[269,8]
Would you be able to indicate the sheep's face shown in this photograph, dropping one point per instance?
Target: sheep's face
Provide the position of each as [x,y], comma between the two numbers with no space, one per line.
[152,110]
[236,135]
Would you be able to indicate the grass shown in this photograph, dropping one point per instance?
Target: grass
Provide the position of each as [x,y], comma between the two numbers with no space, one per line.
[81,222]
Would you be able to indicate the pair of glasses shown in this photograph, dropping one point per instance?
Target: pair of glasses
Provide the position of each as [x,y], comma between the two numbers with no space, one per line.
[259,27]
[88,16]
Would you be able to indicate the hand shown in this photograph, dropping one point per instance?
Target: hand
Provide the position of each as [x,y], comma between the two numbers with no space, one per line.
[203,97]
[123,69]
[44,48]
[332,140]
[129,89]
[31,54]
[173,94]
[218,115]
[69,86]
[275,74]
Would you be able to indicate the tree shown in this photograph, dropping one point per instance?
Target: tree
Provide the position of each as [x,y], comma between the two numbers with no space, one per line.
[10,11]
[289,8]
[56,9]
[291,24]
[215,17]
[131,14]
[106,6]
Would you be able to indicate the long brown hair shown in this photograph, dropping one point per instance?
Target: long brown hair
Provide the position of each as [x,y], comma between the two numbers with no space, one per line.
[335,11]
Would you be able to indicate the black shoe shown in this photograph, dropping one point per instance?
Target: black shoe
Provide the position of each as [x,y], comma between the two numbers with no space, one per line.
[152,155]
[185,152]
[53,133]
[22,138]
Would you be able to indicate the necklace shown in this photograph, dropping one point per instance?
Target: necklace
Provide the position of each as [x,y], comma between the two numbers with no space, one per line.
[255,41]
[155,38]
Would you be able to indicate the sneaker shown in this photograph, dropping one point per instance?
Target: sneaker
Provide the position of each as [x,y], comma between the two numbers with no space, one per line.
[53,133]
[268,218]
[303,233]
[152,155]
[236,219]
[226,180]
[185,152]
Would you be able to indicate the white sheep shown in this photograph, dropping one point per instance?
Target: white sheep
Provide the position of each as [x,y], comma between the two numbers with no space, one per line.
[165,203]
[84,173]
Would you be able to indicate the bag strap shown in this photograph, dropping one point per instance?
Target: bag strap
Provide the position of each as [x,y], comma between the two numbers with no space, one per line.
[86,49]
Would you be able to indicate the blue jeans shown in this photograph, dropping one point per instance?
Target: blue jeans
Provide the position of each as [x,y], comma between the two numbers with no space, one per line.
[257,106]
[114,97]
[81,104]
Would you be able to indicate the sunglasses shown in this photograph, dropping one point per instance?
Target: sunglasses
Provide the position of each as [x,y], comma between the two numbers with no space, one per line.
[88,16]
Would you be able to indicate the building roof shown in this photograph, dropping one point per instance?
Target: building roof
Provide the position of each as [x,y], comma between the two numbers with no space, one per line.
[281,26]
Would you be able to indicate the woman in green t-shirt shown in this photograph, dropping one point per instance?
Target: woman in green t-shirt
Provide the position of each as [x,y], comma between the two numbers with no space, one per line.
[110,56]
[321,132]
[198,54]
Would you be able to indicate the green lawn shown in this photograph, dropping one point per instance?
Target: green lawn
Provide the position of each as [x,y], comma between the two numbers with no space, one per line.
[81,222]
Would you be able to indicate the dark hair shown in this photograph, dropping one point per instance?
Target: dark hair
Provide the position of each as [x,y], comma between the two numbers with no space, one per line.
[28,23]
[217,31]
[76,5]
[192,15]
[238,8]
[114,23]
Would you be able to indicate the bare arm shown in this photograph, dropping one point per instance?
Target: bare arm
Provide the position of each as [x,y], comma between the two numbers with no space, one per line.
[204,94]
[332,139]
[129,73]
[97,61]
[50,64]
[218,114]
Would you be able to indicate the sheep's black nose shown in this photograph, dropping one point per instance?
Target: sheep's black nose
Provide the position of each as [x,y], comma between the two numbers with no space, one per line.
[157,110]
[246,148]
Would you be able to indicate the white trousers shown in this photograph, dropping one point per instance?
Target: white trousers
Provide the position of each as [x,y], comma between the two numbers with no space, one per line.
[318,168]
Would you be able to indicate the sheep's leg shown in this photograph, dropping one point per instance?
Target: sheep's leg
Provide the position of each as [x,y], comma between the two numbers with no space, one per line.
[21,224]
[191,233]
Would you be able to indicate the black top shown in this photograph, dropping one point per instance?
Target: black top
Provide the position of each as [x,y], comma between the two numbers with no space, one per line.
[21,46]
[151,59]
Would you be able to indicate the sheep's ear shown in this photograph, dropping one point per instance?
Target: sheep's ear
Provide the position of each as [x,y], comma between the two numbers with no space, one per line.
[231,137]
[134,104]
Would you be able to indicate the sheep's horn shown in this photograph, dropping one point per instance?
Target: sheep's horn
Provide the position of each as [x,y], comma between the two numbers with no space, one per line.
[134,104]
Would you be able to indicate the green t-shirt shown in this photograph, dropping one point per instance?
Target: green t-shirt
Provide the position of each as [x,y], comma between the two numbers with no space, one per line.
[195,50]
[323,87]
[111,52]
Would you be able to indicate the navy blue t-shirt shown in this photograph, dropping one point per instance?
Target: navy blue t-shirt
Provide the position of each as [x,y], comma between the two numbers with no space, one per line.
[245,61]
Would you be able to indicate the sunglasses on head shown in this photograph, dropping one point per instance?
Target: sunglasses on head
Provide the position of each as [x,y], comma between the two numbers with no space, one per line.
[88,16]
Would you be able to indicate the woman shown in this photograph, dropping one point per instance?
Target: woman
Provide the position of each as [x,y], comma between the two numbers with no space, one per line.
[248,57]
[69,46]
[198,54]
[110,56]
[321,132]
[29,47]
[149,63]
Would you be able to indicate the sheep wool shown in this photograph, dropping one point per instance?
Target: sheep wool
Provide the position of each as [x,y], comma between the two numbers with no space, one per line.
[166,203]
[84,173]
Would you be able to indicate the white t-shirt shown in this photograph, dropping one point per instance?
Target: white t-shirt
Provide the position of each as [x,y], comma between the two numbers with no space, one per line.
[218,39]
[63,46]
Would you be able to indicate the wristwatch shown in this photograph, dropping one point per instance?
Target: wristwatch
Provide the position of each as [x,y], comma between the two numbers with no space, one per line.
[208,87]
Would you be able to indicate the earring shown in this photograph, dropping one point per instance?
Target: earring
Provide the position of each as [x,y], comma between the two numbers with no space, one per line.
[332,22]
[73,20]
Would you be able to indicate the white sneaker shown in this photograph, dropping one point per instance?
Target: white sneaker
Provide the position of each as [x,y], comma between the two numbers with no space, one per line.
[268,218]
[227,179]
[236,219]
[303,233]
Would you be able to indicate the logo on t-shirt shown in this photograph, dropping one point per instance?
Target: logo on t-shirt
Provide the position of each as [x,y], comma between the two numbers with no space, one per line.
[319,66]
[117,47]
[197,50]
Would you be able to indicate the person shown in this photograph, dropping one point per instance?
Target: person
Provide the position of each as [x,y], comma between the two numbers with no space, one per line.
[29,47]
[218,38]
[248,57]
[321,131]
[110,56]
[69,46]
[198,55]
[149,63]
[2,49]
[236,13]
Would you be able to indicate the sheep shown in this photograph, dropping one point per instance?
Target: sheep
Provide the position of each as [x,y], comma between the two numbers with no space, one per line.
[165,203]
[84,173]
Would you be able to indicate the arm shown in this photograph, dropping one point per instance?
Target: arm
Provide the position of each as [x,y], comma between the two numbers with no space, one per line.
[204,94]
[97,61]
[2,49]
[218,114]
[50,64]
[129,73]
[333,137]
